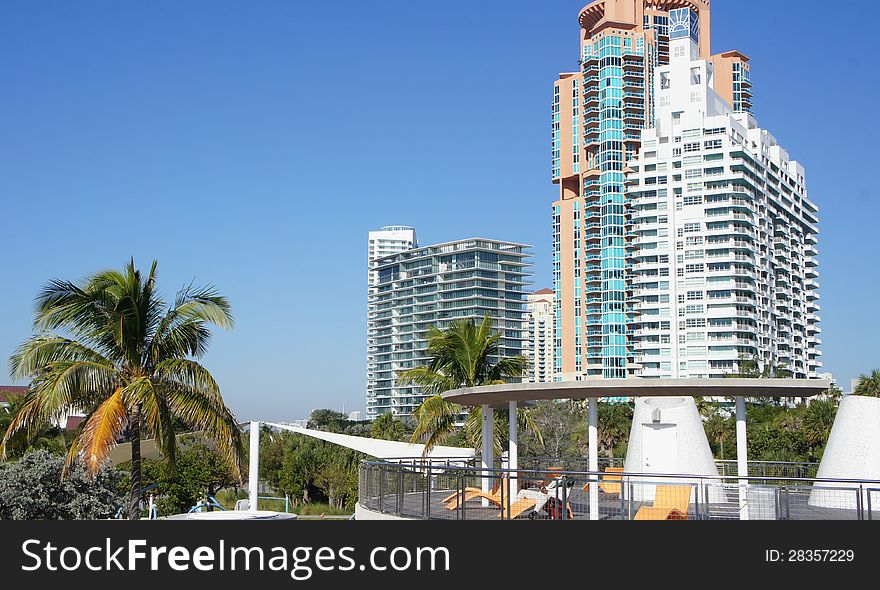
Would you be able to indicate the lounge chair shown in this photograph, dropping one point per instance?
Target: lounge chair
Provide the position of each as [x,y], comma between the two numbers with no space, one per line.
[550,475]
[531,499]
[455,499]
[605,483]
[670,503]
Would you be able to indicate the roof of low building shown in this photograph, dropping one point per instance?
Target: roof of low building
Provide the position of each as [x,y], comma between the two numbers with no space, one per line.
[6,389]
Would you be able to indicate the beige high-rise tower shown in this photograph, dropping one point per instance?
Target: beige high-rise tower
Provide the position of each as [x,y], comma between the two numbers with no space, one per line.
[598,114]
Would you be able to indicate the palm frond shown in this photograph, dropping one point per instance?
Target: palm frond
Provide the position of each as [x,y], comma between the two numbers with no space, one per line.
[525,418]
[204,413]
[38,352]
[474,430]
[27,422]
[428,379]
[100,433]
[67,385]
[435,422]
[508,368]
[142,391]
[189,373]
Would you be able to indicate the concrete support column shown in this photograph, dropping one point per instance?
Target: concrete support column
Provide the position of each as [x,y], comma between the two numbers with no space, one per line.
[488,448]
[513,451]
[594,455]
[254,466]
[742,456]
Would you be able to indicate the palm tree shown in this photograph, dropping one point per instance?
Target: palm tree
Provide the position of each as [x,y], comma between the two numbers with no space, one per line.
[869,384]
[818,420]
[129,364]
[616,421]
[460,356]
[50,437]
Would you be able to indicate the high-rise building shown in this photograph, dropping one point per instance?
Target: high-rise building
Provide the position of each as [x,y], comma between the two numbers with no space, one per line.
[538,345]
[619,128]
[723,236]
[388,240]
[433,286]
[391,239]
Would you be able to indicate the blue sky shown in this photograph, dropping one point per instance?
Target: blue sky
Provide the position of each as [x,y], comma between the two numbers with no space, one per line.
[252,145]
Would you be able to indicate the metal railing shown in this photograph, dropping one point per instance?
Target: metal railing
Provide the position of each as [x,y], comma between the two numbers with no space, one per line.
[455,489]
[726,467]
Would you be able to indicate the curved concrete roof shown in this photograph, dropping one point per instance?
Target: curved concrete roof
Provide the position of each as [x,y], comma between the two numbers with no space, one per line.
[499,395]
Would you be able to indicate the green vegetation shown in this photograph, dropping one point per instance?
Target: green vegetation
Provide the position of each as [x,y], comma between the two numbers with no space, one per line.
[32,488]
[318,509]
[387,427]
[50,438]
[128,363]
[752,368]
[775,432]
[563,425]
[869,384]
[309,470]
[198,471]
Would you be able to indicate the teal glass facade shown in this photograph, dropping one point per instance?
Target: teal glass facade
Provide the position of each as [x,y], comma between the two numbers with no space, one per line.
[616,64]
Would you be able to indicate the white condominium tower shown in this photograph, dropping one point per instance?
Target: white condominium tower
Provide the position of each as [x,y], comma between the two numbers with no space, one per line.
[391,239]
[538,346]
[434,286]
[721,236]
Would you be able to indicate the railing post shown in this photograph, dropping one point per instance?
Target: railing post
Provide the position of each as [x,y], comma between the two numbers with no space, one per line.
[870,510]
[400,490]
[505,498]
[564,498]
[381,470]
[787,503]
[428,493]
[697,501]
[630,501]
[859,502]
[461,502]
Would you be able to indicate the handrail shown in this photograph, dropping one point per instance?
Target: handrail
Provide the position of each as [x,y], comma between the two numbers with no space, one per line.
[635,474]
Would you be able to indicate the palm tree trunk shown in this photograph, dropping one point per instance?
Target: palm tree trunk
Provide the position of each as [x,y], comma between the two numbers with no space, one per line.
[134,499]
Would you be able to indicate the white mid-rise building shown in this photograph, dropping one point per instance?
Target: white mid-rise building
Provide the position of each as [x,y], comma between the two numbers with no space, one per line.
[721,236]
[391,239]
[538,345]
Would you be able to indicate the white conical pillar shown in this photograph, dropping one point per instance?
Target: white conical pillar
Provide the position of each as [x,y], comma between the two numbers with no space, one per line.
[667,436]
[853,452]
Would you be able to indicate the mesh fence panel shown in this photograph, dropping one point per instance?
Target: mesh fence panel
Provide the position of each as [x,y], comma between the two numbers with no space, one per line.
[549,490]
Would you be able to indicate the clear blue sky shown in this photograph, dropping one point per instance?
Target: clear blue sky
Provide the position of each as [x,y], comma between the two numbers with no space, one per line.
[252,145]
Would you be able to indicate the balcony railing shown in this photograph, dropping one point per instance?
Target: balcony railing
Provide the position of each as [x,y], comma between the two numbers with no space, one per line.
[439,489]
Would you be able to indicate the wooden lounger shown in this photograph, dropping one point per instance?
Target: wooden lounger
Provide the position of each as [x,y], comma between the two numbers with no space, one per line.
[606,485]
[551,475]
[670,503]
[518,508]
[455,500]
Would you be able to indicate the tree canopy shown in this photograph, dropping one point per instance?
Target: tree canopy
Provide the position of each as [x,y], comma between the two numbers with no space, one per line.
[110,346]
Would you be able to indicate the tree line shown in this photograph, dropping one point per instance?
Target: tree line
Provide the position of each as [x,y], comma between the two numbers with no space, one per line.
[112,347]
